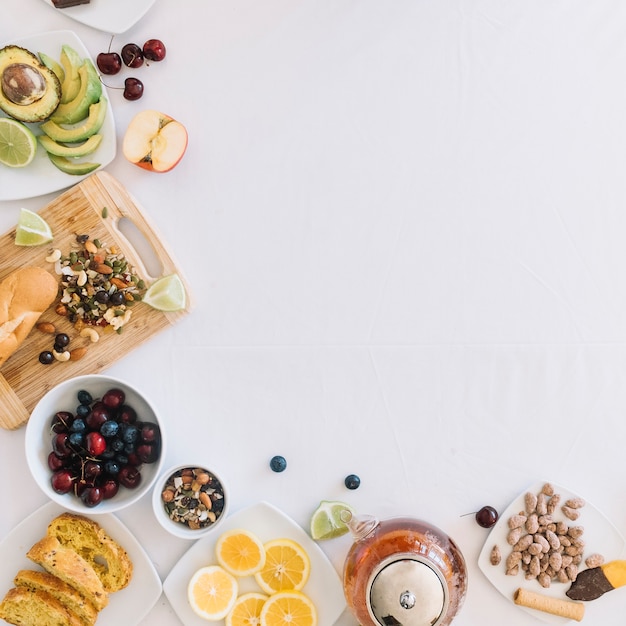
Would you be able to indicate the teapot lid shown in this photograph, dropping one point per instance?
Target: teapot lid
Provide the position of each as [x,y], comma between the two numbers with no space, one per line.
[406,591]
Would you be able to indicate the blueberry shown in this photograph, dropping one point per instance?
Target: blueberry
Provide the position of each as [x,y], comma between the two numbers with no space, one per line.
[130,434]
[117,445]
[112,467]
[352,481]
[278,464]
[108,453]
[84,397]
[77,439]
[78,425]
[109,428]
[83,410]
[121,458]
[46,357]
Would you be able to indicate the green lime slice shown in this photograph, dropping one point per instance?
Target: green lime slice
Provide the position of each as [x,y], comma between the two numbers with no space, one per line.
[166,294]
[326,522]
[32,229]
[18,145]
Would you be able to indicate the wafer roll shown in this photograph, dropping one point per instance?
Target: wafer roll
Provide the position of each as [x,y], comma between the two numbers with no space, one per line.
[547,604]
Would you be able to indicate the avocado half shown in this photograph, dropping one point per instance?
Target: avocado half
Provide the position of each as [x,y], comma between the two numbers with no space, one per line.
[29,91]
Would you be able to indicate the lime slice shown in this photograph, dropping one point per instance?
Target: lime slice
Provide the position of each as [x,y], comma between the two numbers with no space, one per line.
[32,229]
[326,522]
[18,145]
[166,294]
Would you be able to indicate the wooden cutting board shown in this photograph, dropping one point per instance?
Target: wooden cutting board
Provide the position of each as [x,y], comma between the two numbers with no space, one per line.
[79,210]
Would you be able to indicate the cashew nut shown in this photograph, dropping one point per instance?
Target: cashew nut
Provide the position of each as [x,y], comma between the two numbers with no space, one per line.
[92,333]
[61,356]
[54,256]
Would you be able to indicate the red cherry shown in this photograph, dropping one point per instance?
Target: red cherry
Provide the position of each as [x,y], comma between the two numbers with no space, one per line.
[154,50]
[113,398]
[132,55]
[109,62]
[62,421]
[54,462]
[129,476]
[91,496]
[95,443]
[147,453]
[60,445]
[109,488]
[127,414]
[133,89]
[99,414]
[62,481]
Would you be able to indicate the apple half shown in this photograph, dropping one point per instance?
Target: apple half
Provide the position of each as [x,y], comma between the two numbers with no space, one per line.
[154,141]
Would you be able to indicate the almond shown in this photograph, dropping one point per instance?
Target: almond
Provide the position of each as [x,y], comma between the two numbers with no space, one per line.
[77,353]
[103,268]
[119,283]
[47,327]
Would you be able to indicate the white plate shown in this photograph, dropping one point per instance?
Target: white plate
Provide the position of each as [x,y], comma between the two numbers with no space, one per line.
[41,177]
[110,16]
[267,522]
[600,536]
[128,606]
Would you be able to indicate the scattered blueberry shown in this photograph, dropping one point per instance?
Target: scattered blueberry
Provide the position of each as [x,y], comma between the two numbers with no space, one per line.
[78,425]
[109,428]
[83,410]
[77,439]
[278,464]
[352,481]
[46,357]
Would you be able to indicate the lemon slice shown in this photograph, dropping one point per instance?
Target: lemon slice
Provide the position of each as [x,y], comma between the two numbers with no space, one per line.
[32,229]
[240,552]
[247,610]
[212,592]
[289,608]
[326,521]
[18,145]
[166,294]
[287,566]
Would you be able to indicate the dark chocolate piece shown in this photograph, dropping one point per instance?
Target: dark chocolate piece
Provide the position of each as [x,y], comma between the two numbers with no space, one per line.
[589,585]
[64,4]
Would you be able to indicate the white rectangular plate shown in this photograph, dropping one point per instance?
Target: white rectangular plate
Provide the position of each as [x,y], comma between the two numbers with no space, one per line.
[128,606]
[110,16]
[41,176]
[600,536]
[266,522]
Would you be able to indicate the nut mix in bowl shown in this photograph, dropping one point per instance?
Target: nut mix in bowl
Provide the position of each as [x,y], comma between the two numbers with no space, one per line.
[94,444]
[190,500]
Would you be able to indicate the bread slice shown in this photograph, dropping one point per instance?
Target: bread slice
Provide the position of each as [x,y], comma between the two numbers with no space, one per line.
[102,552]
[62,591]
[70,567]
[33,607]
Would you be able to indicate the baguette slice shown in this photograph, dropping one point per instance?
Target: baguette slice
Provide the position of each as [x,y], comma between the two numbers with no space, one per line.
[33,607]
[107,557]
[70,567]
[24,295]
[62,591]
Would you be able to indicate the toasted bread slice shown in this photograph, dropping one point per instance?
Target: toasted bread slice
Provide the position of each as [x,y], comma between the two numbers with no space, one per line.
[33,607]
[107,557]
[62,591]
[70,567]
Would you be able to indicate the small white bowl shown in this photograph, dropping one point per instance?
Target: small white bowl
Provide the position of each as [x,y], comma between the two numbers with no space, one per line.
[178,528]
[38,440]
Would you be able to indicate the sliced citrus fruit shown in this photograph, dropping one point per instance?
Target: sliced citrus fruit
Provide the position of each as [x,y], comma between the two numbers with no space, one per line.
[327,522]
[247,610]
[287,566]
[289,608]
[32,229]
[212,592]
[18,145]
[240,552]
[166,294]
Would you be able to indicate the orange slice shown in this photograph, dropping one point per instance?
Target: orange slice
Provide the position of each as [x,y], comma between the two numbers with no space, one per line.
[247,610]
[287,567]
[212,592]
[240,552]
[289,608]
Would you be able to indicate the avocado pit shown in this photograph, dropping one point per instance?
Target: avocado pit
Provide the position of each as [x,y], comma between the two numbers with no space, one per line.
[23,84]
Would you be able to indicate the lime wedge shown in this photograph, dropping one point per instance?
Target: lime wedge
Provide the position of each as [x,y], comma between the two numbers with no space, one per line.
[32,229]
[166,294]
[18,145]
[326,522]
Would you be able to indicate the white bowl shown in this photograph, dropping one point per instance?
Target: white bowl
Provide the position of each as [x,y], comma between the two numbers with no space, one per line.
[38,440]
[180,529]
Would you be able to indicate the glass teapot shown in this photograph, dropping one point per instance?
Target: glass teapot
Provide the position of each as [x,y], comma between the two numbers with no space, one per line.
[402,572]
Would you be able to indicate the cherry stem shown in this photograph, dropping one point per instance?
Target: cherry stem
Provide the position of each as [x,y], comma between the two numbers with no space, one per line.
[110,43]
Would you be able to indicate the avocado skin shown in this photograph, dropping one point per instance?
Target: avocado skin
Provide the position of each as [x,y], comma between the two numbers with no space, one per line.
[41,109]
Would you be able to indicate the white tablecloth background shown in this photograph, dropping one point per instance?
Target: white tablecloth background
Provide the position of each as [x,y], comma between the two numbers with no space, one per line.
[405,228]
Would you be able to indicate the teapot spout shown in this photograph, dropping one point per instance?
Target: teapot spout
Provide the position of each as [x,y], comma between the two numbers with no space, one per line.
[360,526]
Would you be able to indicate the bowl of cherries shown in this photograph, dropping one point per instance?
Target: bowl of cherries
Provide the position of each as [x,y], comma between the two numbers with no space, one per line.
[94,443]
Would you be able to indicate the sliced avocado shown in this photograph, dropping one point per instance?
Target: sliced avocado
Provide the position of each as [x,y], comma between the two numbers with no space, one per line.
[74,151]
[50,63]
[71,63]
[90,91]
[73,167]
[90,126]
[29,91]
